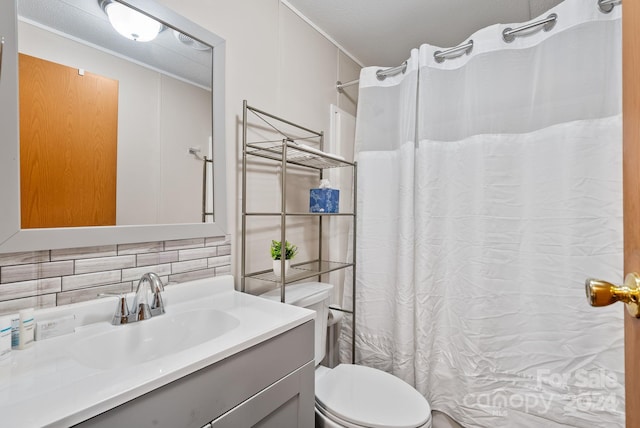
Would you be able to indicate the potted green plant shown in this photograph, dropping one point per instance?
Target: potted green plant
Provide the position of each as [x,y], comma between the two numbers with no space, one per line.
[277,253]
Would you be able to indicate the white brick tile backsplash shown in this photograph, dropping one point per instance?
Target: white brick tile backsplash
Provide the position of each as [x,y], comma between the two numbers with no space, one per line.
[143,247]
[214,241]
[197,253]
[63,276]
[182,244]
[104,263]
[16,290]
[156,258]
[223,270]
[42,301]
[35,271]
[219,261]
[134,274]
[224,250]
[190,276]
[84,294]
[83,252]
[188,266]
[25,257]
[91,279]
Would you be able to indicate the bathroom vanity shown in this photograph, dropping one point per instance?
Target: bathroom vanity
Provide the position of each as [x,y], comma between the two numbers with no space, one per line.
[260,386]
[215,357]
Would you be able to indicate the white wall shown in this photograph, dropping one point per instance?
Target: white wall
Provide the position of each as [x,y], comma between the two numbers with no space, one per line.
[185,122]
[280,64]
[158,180]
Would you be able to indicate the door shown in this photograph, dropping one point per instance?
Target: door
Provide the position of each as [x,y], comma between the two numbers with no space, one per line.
[601,293]
[68,138]
[631,195]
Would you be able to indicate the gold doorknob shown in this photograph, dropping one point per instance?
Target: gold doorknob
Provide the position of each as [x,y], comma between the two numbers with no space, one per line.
[603,293]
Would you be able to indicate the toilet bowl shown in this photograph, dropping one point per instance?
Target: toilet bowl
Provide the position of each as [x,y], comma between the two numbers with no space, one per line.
[350,395]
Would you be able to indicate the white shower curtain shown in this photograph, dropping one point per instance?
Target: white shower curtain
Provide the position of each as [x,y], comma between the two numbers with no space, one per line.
[480,220]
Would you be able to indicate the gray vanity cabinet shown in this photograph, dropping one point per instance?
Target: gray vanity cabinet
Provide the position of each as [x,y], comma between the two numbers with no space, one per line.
[268,385]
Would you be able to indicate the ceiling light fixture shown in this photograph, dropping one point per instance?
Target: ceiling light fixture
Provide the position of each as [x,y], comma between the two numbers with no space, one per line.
[130,23]
[190,41]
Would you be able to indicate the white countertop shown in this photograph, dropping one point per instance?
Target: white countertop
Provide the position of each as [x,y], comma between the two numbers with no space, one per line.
[44,386]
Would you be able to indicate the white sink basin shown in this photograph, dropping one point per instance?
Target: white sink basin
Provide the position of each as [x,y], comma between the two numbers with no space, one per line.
[142,341]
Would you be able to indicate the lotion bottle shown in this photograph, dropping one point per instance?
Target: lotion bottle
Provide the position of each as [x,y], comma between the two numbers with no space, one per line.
[27,325]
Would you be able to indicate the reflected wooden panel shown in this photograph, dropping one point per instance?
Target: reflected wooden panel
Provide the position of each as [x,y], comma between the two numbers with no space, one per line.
[68,146]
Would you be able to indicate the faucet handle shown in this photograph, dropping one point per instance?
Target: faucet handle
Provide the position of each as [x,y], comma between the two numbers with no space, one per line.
[121,315]
[141,310]
[157,304]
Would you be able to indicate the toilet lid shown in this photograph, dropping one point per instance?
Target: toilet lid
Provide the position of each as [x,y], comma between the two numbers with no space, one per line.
[370,397]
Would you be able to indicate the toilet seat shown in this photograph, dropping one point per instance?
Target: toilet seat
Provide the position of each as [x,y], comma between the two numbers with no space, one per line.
[327,420]
[365,397]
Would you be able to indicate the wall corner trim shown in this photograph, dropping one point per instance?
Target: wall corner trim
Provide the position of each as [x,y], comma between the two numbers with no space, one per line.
[322,32]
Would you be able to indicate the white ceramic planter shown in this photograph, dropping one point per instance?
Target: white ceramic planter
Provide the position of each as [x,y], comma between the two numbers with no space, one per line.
[277,266]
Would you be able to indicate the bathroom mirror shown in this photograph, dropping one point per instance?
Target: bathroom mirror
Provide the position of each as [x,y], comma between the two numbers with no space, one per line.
[169,176]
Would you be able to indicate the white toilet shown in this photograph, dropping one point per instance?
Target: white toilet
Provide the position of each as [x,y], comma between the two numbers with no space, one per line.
[350,395]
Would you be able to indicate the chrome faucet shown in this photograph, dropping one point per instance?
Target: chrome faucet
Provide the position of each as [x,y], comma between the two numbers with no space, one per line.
[140,310]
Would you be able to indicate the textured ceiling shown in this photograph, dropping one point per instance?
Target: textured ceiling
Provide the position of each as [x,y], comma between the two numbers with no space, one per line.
[84,20]
[382,32]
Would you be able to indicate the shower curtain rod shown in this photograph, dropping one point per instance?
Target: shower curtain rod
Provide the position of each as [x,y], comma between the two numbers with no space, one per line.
[381,74]
[508,35]
[607,6]
[441,56]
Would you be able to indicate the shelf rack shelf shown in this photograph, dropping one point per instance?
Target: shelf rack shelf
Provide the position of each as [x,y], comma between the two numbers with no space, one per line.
[287,150]
[301,271]
[294,154]
[301,214]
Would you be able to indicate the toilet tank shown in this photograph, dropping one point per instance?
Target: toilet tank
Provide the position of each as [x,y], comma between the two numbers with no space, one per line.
[311,295]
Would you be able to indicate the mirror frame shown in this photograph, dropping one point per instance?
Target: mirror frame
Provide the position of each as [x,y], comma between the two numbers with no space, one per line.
[15,239]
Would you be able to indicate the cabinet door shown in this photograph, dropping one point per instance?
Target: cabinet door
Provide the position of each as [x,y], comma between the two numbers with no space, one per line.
[286,403]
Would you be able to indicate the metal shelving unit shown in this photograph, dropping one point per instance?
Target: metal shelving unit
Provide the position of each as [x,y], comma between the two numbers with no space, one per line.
[285,152]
